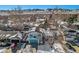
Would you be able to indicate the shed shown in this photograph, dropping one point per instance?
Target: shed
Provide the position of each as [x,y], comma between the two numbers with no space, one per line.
[34,38]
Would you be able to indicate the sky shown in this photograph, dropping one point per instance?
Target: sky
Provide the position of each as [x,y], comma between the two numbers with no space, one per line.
[10,7]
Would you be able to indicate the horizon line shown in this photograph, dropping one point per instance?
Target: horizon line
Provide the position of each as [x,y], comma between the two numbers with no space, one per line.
[44,7]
